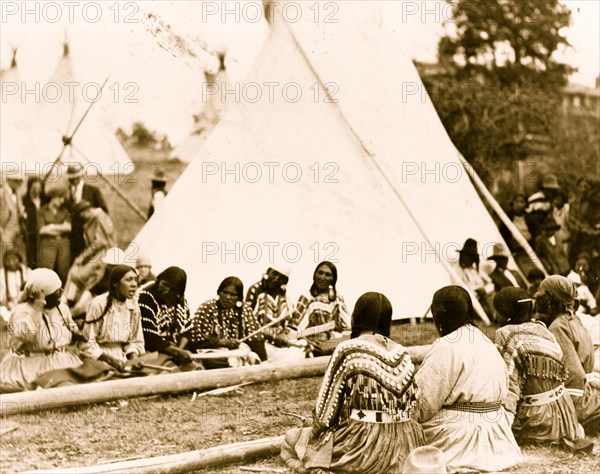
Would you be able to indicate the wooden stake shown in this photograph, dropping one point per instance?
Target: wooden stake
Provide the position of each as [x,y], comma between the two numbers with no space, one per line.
[184,462]
[200,381]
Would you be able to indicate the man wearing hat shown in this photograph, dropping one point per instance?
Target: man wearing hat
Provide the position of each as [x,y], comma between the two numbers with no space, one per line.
[540,204]
[501,276]
[550,251]
[79,191]
[11,212]
[158,190]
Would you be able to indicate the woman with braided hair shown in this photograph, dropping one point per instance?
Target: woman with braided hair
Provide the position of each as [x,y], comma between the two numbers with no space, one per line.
[221,322]
[463,381]
[113,324]
[537,401]
[363,420]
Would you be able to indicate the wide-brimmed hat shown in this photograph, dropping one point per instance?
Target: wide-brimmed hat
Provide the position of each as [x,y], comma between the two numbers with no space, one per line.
[425,460]
[550,181]
[74,171]
[498,251]
[469,248]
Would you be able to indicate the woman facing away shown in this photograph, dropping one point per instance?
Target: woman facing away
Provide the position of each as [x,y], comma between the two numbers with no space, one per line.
[463,381]
[362,421]
[221,323]
[537,401]
[41,330]
[113,324]
[322,305]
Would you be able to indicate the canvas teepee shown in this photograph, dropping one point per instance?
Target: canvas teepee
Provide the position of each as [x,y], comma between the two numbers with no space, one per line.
[341,175]
[55,113]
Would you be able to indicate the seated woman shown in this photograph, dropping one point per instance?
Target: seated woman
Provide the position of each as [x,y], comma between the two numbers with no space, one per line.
[40,331]
[555,299]
[362,420]
[222,322]
[322,305]
[537,401]
[463,381]
[113,326]
[165,315]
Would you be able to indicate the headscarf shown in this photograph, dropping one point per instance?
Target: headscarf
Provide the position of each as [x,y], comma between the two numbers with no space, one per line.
[118,272]
[451,308]
[514,304]
[41,282]
[176,277]
[332,267]
[372,312]
[563,289]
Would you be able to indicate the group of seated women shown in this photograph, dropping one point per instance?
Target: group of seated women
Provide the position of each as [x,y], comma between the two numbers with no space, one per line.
[128,327]
[471,402]
[471,399]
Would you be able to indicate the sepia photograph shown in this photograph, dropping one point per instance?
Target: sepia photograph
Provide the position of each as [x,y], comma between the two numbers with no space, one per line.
[311,236]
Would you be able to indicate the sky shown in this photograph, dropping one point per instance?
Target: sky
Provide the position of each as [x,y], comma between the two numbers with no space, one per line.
[153,80]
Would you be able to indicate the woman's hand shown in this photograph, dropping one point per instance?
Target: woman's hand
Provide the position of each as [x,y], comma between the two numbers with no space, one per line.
[110,360]
[181,356]
[230,344]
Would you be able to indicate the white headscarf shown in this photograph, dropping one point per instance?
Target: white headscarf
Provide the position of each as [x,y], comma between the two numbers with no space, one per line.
[41,283]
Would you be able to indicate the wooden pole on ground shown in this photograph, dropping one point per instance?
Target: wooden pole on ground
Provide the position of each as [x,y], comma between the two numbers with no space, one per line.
[185,462]
[59,397]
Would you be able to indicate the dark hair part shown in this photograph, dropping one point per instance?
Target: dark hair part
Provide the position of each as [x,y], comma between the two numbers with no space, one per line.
[372,312]
[236,283]
[116,274]
[313,289]
[452,308]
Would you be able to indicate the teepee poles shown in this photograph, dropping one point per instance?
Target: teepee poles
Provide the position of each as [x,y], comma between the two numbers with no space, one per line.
[115,188]
[68,140]
[501,214]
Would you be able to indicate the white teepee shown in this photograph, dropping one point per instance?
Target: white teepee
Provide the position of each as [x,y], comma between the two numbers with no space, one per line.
[55,112]
[337,165]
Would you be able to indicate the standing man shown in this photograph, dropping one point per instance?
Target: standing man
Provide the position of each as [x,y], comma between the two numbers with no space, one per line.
[158,190]
[11,212]
[81,191]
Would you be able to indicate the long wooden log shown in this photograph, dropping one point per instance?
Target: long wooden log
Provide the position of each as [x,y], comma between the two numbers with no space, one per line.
[184,462]
[26,402]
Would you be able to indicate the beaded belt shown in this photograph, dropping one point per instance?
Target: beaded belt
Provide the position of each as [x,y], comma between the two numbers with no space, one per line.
[544,398]
[372,416]
[475,407]
[575,392]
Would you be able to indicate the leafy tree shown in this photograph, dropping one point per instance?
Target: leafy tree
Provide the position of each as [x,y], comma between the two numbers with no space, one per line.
[499,95]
